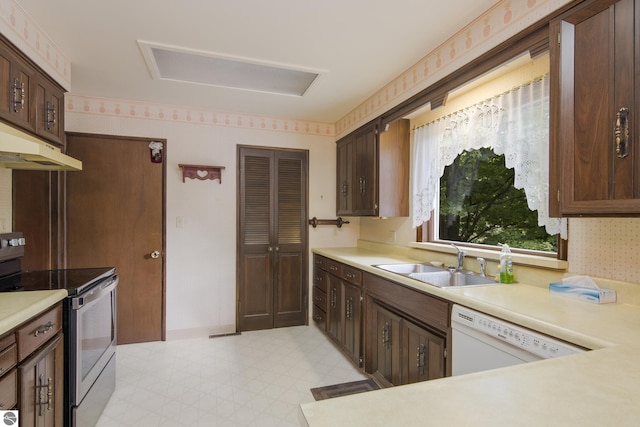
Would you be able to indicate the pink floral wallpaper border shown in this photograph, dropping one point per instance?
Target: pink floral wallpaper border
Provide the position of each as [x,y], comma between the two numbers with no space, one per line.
[143,110]
[503,20]
[24,32]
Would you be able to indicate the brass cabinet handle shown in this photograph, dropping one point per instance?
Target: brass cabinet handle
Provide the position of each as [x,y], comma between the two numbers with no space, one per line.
[18,95]
[48,393]
[386,336]
[363,185]
[155,254]
[420,359]
[621,132]
[43,329]
[50,120]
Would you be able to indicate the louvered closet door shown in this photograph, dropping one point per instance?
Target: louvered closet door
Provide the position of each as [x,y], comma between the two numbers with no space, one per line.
[272,238]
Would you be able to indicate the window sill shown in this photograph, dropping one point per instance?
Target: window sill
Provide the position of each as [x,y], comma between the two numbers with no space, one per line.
[520,259]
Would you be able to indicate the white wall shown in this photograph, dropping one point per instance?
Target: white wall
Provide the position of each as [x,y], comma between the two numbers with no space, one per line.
[201,256]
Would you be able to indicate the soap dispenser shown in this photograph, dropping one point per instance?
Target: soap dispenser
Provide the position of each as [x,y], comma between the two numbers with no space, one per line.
[506,265]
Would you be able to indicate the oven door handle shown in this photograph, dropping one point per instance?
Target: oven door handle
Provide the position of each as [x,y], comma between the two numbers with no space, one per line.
[95,294]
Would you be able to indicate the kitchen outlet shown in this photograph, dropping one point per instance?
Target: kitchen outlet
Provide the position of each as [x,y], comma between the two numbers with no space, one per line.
[3,225]
[392,236]
[180,222]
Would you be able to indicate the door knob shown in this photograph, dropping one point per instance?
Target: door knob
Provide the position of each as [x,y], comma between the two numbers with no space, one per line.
[155,254]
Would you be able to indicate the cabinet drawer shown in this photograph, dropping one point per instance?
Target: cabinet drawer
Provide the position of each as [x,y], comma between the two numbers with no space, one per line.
[352,275]
[8,358]
[7,340]
[8,391]
[38,331]
[334,267]
[319,298]
[320,279]
[320,317]
[320,262]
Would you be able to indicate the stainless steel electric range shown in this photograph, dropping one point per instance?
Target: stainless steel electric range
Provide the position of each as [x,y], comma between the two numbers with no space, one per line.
[89,326]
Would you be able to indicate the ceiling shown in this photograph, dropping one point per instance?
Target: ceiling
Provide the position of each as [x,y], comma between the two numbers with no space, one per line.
[356,46]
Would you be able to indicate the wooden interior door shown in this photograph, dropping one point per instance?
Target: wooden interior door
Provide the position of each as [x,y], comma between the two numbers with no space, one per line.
[272,238]
[115,217]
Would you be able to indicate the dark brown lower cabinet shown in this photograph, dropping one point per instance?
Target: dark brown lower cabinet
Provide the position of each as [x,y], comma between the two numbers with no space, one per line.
[41,383]
[406,333]
[386,336]
[424,354]
[399,335]
[334,308]
[403,351]
[337,305]
[352,324]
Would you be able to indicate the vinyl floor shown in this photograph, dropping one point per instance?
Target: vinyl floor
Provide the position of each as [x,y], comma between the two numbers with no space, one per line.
[257,378]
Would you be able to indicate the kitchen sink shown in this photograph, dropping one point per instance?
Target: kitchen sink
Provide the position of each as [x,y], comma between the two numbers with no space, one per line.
[437,276]
[407,269]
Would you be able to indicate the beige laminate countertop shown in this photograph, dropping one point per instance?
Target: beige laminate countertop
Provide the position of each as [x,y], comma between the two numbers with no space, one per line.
[18,307]
[595,388]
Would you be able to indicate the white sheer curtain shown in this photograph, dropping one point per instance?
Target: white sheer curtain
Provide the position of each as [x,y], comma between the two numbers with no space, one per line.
[515,124]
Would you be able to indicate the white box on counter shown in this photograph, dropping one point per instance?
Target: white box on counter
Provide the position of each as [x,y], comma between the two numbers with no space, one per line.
[594,295]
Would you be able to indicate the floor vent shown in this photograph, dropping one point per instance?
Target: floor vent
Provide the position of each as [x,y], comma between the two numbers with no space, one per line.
[225,335]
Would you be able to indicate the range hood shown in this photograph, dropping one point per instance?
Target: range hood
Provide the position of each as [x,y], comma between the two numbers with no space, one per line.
[19,150]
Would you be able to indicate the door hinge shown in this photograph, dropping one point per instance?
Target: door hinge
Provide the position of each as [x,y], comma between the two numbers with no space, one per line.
[445,352]
[558,38]
[558,195]
[360,362]
[239,307]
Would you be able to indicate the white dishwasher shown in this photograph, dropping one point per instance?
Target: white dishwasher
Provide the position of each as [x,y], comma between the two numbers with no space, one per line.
[481,342]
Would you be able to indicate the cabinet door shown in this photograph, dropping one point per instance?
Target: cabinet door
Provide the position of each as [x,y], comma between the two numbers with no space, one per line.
[424,354]
[272,236]
[290,238]
[352,322]
[594,110]
[393,169]
[335,307]
[16,84]
[344,177]
[386,355]
[49,111]
[366,173]
[41,382]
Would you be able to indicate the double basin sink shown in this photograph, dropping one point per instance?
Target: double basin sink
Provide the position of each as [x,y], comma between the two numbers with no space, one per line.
[437,276]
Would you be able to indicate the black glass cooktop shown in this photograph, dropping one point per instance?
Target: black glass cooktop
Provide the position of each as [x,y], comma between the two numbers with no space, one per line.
[74,280]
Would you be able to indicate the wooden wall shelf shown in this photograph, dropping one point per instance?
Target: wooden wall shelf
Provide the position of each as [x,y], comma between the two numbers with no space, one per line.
[201,172]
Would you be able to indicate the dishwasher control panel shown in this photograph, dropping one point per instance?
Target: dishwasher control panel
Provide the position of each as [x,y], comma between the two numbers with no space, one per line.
[541,345]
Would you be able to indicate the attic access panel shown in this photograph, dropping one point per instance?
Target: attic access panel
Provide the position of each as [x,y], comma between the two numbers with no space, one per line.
[170,63]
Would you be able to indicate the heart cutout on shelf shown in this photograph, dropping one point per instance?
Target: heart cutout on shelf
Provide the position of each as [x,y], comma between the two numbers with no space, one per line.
[202,174]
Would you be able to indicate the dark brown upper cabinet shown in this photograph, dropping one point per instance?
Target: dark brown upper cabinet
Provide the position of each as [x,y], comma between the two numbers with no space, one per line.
[373,171]
[29,98]
[594,158]
[17,80]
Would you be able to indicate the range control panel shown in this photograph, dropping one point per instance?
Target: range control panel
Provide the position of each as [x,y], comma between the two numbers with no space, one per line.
[535,343]
[11,245]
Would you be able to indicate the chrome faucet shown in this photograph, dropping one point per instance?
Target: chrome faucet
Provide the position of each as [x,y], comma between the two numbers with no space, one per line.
[461,255]
[483,266]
